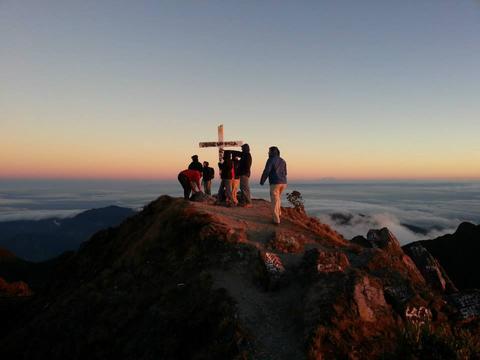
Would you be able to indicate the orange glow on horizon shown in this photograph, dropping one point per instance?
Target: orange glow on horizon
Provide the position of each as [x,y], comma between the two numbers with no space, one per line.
[77,161]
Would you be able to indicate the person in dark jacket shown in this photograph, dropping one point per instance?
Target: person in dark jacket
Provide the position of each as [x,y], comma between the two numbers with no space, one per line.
[190,181]
[236,176]
[276,172]
[226,174]
[208,175]
[244,174]
[195,164]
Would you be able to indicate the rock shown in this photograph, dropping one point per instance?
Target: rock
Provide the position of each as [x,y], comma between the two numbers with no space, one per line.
[398,294]
[286,242]
[316,261]
[202,197]
[430,268]
[344,310]
[467,304]
[383,239]
[272,270]
[369,298]
[458,254]
[362,241]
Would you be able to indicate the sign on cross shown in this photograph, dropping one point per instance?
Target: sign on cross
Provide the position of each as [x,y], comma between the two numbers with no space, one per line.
[220,143]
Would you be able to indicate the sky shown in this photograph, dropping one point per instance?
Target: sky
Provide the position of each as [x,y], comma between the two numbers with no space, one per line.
[346,89]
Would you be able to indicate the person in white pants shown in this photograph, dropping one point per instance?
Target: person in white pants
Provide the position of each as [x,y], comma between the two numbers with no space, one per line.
[276,172]
[276,191]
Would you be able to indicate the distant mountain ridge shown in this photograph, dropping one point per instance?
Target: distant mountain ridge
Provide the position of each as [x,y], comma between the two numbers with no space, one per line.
[39,240]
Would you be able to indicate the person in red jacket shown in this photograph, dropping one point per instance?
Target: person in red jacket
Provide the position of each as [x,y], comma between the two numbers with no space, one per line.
[190,180]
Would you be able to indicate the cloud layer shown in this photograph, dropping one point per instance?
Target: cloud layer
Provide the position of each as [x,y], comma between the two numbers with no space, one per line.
[411,210]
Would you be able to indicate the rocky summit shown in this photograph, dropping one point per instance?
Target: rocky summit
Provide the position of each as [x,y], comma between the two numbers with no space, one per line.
[192,280]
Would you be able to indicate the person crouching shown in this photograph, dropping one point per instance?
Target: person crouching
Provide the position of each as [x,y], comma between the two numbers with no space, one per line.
[190,181]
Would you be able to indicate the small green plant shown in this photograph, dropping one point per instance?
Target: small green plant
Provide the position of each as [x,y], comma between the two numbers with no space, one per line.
[295,198]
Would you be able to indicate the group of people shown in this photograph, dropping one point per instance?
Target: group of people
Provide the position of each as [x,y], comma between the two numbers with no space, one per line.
[190,178]
[235,174]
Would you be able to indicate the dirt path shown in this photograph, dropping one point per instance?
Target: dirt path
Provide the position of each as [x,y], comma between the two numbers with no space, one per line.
[273,318]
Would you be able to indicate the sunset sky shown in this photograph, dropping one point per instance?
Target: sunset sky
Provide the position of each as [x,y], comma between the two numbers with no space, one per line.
[346,89]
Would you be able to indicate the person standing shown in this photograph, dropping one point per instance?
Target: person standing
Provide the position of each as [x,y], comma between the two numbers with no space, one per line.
[226,174]
[195,164]
[190,181]
[276,172]
[208,175]
[236,177]
[244,172]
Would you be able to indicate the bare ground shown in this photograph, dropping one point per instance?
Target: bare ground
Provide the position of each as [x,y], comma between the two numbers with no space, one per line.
[273,318]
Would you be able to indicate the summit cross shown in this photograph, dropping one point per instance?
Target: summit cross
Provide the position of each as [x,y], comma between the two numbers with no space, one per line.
[220,143]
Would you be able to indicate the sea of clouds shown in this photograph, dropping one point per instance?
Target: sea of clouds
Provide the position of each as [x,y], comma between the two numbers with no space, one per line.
[396,221]
[412,211]
[435,207]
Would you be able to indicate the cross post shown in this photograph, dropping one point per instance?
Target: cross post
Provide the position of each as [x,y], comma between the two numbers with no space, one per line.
[220,143]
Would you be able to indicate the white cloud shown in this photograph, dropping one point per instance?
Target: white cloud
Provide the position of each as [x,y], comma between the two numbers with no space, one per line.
[360,225]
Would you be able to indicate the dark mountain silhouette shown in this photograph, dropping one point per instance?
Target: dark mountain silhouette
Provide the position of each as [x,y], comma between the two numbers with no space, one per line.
[38,240]
[458,254]
[186,280]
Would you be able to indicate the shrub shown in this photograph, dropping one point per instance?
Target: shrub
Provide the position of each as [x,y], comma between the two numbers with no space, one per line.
[295,199]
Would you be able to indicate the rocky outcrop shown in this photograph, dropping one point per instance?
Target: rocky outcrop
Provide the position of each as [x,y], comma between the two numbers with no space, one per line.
[272,271]
[458,254]
[317,262]
[452,256]
[430,268]
[286,242]
[345,309]
[467,304]
[191,280]
[383,239]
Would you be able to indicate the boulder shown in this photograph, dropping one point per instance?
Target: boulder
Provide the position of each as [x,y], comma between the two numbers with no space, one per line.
[344,309]
[202,197]
[467,304]
[362,241]
[369,298]
[286,242]
[272,270]
[317,261]
[383,239]
[398,294]
[430,268]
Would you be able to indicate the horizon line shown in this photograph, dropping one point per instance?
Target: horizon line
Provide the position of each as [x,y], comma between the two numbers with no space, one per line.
[292,179]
